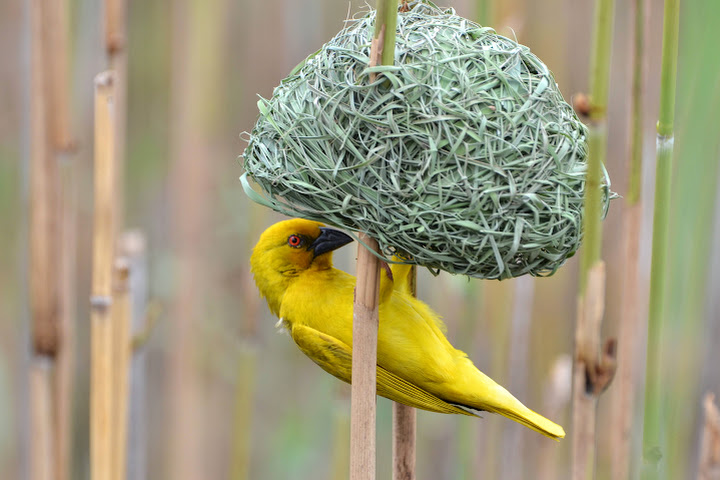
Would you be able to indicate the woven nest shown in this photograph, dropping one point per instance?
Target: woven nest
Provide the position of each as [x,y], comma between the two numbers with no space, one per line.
[463,156]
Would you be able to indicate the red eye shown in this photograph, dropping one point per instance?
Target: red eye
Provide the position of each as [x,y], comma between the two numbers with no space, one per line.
[294,241]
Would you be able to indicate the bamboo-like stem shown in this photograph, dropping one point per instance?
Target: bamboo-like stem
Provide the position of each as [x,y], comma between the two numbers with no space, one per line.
[365,308]
[41,386]
[102,268]
[484,11]
[62,145]
[115,30]
[555,399]
[43,191]
[591,372]
[44,255]
[641,12]
[404,425]
[133,246]
[404,418]
[341,436]
[121,319]
[244,396]
[196,69]
[630,322]
[246,369]
[597,138]
[653,431]
[517,365]
[709,466]
[499,312]
[364,361]
[115,18]
[65,363]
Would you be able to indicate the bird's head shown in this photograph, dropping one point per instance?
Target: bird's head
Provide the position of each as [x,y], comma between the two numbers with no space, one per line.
[289,248]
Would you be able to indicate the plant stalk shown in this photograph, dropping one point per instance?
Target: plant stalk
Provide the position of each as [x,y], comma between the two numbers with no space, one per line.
[630,324]
[404,424]
[591,372]
[364,361]
[101,385]
[653,427]
[365,308]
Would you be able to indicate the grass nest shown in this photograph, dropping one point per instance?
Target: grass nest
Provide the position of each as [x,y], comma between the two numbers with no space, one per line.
[462,156]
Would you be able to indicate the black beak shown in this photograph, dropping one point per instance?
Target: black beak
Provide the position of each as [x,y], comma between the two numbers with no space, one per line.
[329,240]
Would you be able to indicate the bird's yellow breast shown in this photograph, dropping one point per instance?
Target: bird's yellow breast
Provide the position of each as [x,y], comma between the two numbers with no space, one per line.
[409,337]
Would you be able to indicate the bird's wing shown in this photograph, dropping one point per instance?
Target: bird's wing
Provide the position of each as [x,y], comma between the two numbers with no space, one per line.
[335,357]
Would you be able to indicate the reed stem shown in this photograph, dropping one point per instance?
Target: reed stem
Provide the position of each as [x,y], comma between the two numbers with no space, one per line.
[709,466]
[41,421]
[364,361]
[365,308]
[101,386]
[404,424]
[484,11]
[630,324]
[45,256]
[121,320]
[653,426]
[591,372]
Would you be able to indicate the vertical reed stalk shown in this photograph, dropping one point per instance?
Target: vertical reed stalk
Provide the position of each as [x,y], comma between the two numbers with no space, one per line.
[555,399]
[341,436]
[116,53]
[630,322]
[709,466]
[244,396]
[102,269]
[61,145]
[498,313]
[44,256]
[365,308]
[121,319]
[653,427]
[364,362]
[517,362]
[196,78]
[246,368]
[133,246]
[41,408]
[44,178]
[484,11]
[404,424]
[591,373]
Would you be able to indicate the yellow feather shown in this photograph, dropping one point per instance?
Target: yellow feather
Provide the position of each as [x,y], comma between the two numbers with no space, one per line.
[417,365]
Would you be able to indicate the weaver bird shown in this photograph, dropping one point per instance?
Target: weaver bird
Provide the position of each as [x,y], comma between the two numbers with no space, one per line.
[416,364]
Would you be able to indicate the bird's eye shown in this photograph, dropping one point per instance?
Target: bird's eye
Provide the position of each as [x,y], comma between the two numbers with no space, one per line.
[294,241]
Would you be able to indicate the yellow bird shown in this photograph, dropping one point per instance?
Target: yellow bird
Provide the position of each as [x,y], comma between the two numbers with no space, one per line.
[416,364]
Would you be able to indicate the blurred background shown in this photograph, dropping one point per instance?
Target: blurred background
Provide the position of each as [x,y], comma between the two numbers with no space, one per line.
[216,392]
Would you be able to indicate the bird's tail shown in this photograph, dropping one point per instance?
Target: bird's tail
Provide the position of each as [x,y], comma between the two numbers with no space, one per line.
[492,397]
[530,419]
